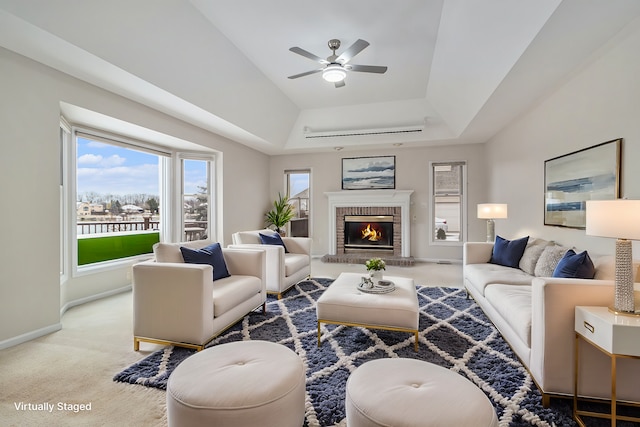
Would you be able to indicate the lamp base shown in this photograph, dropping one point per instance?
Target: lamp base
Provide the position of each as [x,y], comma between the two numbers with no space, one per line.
[623,313]
[491,231]
[624,287]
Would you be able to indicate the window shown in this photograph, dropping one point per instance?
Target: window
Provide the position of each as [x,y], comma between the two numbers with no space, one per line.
[117,198]
[196,199]
[448,202]
[298,189]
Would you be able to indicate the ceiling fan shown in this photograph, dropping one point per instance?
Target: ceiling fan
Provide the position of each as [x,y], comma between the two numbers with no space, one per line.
[336,67]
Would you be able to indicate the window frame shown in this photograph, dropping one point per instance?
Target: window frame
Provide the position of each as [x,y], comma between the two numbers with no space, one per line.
[287,186]
[463,202]
[164,175]
[64,143]
[211,182]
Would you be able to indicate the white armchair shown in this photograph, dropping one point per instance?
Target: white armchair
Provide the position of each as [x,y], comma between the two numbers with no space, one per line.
[283,268]
[176,303]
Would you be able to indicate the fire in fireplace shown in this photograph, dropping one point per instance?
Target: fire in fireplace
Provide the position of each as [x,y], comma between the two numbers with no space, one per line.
[367,232]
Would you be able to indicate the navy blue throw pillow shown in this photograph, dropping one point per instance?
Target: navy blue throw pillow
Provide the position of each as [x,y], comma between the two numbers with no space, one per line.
[211,255]
[508,252]
[575,266]
[272,239]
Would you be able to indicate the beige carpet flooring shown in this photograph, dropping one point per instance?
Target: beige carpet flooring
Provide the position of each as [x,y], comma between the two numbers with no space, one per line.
[76,364]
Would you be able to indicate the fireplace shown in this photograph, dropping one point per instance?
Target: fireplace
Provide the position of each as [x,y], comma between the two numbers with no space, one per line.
[368,232]
[394,204]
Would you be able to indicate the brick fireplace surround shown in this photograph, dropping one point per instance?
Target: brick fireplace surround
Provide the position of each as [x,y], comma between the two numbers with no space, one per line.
[370,202]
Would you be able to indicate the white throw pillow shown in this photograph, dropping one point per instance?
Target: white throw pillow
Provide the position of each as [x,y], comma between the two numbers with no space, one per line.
[531,254]
[549,259]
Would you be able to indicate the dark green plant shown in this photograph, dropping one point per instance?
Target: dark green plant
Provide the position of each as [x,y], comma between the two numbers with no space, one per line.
[441,234]
[281,213]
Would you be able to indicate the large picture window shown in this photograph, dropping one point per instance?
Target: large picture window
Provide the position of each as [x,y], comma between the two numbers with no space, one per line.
[117,199]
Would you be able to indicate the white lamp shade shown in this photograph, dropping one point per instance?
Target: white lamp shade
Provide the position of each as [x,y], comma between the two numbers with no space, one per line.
[619,218]
[492,211]
[334,73]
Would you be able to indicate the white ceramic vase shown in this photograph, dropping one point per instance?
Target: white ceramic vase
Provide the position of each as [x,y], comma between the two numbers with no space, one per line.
[375,275]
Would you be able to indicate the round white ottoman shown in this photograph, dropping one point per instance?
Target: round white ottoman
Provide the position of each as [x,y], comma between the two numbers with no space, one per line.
[412,393]
[245,383]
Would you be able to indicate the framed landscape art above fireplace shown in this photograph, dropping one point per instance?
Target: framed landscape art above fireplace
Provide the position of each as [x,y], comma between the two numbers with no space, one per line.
[369,173]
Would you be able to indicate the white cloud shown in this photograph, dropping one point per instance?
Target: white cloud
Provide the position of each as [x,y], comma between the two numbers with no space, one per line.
[111,161]
[89,159]
[104,162]
[119,180]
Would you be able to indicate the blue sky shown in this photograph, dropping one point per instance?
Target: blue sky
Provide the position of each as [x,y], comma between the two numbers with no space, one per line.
[104,168]
[298,182]
[111,169]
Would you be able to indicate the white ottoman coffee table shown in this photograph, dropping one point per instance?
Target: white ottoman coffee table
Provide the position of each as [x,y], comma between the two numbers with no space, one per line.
[414,393]
[343,304]
[244,383]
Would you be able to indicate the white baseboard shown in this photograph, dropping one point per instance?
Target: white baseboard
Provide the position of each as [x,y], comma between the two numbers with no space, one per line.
[95,297]
[30,336]
[57,326]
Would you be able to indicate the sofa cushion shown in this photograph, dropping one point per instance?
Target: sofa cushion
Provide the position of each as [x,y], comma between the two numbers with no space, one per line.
[232,291]
[574,265]
[481,275]
[513,303]
[211,255]
[549,259]
[272,239]
[531,254]
[508,252]
[170,252]
[294,263]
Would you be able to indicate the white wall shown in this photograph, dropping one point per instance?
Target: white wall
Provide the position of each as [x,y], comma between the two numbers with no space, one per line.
[30,292]
[412,173]
[598,104]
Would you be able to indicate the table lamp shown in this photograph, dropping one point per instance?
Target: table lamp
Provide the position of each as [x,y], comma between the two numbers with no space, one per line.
[619,219]
[491,211]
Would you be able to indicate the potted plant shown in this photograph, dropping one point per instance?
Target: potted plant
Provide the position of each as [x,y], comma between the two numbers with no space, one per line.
[281,214]
[375,267]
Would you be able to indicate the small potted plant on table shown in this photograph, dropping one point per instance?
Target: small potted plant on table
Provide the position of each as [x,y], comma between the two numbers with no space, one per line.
[375,267]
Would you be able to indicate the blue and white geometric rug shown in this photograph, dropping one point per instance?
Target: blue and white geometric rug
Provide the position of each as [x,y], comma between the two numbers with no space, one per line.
[454,333]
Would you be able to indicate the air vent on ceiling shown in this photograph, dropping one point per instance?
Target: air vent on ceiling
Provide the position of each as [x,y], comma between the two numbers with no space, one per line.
[309,134]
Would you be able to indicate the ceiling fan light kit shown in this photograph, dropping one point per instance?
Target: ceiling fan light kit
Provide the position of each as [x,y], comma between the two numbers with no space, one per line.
[334,73]
[335,67]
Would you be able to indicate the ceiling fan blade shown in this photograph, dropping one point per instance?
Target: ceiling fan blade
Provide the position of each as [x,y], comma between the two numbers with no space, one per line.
[353,50]
[309,55]
[306,73]
[339,84]
[367,68]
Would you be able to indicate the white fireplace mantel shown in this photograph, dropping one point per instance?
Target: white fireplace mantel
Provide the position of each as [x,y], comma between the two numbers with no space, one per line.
[350,198]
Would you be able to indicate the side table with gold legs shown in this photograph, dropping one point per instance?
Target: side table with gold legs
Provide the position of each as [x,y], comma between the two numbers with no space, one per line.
[618,337]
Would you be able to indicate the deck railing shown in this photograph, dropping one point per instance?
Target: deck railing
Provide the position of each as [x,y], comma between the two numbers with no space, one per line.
[115,226]
[193,230]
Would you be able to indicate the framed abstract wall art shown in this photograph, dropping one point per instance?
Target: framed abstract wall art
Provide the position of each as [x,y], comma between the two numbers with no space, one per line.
[570,180]
[367,173]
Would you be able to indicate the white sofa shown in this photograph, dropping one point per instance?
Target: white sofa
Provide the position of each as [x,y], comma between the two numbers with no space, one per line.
[535,314]
[284,268]
[180,304]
